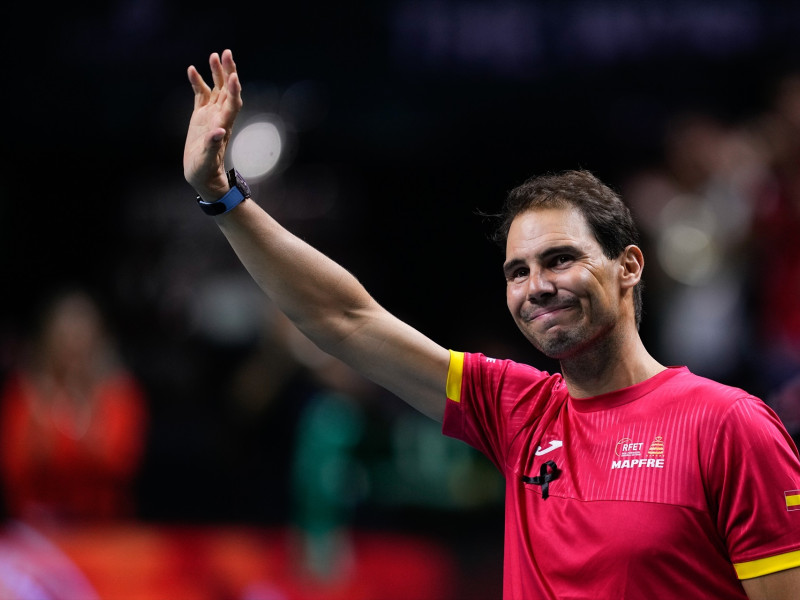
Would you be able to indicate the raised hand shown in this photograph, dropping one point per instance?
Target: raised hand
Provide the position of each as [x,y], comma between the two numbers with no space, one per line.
[215,111]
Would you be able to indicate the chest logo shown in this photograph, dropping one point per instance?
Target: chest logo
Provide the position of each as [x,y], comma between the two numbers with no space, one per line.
[554,445]
[632,455]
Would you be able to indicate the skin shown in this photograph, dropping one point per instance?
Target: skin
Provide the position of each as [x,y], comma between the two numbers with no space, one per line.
[784,585]
[568,299]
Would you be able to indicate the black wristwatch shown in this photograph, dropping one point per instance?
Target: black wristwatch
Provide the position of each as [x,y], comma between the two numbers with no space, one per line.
[238,192]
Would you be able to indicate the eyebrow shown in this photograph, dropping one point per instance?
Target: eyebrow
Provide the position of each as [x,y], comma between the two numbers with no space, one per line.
[509,266]
[563,249]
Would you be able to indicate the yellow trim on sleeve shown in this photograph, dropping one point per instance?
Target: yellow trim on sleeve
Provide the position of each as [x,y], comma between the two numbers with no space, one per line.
[765,566]
[454,374]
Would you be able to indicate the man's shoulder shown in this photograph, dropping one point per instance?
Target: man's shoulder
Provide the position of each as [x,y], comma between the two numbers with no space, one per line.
[509,370]
[485,361]
[710,394]
[692,381]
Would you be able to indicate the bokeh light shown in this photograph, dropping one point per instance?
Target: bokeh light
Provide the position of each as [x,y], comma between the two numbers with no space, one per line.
[257,148]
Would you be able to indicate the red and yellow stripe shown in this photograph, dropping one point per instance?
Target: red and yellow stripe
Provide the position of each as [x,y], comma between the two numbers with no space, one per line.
[765,566]
[454,374]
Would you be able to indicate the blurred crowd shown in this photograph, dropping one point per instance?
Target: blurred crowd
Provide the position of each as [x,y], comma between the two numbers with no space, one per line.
[720,218]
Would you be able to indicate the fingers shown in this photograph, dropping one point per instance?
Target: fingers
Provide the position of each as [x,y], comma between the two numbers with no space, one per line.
[199,87]
[217,71]
[227,62]
[221,68]
[226,82]
[224,76]
[234,98]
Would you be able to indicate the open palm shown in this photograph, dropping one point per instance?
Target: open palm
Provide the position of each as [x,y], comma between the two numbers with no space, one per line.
[214,113]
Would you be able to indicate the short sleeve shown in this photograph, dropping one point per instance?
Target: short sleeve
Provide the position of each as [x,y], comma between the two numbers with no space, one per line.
[490,400]
[754,482]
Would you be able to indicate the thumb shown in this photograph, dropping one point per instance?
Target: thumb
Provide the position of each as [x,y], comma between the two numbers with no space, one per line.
[216,136]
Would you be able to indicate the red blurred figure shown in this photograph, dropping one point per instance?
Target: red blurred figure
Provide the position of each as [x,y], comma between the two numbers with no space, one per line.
[72,421]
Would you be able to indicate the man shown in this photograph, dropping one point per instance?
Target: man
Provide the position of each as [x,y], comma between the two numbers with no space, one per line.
[624,478]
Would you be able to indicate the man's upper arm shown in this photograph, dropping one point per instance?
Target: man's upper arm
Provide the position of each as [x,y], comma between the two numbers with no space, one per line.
[783,585]
[761,529]
[399,358]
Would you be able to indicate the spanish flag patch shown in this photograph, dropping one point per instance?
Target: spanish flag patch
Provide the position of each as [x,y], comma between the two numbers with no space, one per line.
[792,499]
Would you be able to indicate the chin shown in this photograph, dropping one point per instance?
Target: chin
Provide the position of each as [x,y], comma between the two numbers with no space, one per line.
[559,346]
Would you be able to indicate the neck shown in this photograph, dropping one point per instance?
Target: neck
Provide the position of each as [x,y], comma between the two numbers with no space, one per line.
[611,364]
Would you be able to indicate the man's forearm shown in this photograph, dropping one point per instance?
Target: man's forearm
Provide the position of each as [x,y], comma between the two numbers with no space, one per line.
[330,306]
[317,294]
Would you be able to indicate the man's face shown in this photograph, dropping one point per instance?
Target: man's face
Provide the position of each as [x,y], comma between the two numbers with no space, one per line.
[562,291]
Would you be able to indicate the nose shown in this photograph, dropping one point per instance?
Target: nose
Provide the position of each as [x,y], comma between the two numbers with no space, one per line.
[540,286]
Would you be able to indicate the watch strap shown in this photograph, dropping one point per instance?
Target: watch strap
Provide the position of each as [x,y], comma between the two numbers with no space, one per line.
[229,201]
[238,192]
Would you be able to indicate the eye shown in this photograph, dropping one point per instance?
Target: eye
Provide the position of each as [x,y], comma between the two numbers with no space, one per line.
[517,275]
[561,260]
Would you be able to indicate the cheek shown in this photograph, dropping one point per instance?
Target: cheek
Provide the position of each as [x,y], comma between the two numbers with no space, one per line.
[594,282]
[601,295]
[514,298]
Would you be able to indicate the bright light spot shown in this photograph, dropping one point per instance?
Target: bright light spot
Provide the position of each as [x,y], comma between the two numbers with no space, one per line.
[256,149]
[687,245]
[688,254]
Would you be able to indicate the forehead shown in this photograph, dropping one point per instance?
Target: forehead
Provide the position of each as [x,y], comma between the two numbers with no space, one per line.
[538,229]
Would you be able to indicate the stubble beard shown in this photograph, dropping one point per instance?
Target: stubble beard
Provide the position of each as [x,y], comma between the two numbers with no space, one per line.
[575,341]
[561,344]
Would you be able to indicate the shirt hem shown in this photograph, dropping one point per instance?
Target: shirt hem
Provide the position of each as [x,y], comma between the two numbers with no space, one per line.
[765,566]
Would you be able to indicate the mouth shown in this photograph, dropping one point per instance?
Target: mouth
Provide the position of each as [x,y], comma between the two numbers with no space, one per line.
[545,314]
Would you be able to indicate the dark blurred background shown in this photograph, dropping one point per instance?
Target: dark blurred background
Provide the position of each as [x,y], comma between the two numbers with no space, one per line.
[403,123]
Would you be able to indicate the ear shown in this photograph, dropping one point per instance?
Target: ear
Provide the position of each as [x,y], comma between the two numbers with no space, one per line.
[631,263]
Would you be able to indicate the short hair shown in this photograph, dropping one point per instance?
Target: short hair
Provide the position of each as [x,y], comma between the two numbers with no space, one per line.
[608,217]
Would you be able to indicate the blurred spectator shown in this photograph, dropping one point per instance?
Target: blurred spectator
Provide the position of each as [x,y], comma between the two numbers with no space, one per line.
[72,421]
[329,477]
[328,452]
[696,212]
[786,402]
[776,260]
[775,272]
[722,214]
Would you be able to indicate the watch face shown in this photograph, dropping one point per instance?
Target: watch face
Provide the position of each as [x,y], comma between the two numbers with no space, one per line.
[236,180]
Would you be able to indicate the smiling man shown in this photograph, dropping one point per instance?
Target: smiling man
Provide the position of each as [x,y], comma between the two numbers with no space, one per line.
[573,273]
[624,478]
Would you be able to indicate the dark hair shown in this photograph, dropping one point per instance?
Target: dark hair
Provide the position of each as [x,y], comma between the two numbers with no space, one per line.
[608,217]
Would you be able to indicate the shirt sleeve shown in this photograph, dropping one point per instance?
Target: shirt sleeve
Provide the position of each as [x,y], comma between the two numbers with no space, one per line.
[490,400]
[754,475]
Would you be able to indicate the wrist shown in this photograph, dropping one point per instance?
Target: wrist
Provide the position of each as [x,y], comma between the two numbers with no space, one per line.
[213,190]
[234,193]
